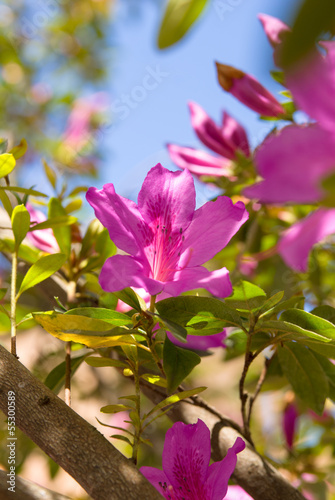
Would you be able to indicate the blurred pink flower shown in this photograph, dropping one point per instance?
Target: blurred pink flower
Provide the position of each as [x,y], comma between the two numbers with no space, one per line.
[237,493]
[224,140]
[166,238]
[296,243]
[290,416]
[43,239]
[248,91]
[275,31]
[186,473]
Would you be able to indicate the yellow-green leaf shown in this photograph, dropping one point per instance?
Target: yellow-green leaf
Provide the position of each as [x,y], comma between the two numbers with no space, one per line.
[41,270]
[7,164]
[20,149]
[20,224]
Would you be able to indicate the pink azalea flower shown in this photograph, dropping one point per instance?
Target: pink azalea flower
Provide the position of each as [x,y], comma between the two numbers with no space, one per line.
[201,342]
[275,31]
[312,83]
[186,473]
[248,91]
[166,238]
[199,162]
[237,493]
[224,140]
[296,243]
[289,424]
[43,239]
[292,163]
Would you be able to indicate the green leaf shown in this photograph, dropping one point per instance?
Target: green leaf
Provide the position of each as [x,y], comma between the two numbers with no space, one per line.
[313,19]
[271,302]
[154,379]
[289,331]
[50,173]
[6,202]
[88,331]
[102,362]
[41,270]
[325,312]
[175,398]
[178,331]
[20,224]
[282,306]
[278,77]
[132,299]
[122,438]
[62,233]
[199,315]
[329,370]
[19,150]
[309,322]
[321,348]
[73,206]
[56,378]
[112,317]
[178,17]
[177,363]
[236,343]
[17,189]
[62,220]
[115,408]
[246,297]
[3,292]
[306,376]
[7,164]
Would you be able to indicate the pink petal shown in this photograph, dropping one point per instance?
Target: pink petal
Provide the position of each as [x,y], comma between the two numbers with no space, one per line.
[220,472]
[120,216]
[43,239]
[186,456]
[121,271]
[167,198]
[209,133]
[212,227]
[292,163]
[248,91]
[274,28]
[201,343]
[312,83]
[289,424]
[235,133]
[216,282]
[198,162]
[296,242]
[158,479]
[237,493]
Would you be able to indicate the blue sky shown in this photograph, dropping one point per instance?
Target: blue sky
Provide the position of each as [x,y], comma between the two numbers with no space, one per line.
[150,88]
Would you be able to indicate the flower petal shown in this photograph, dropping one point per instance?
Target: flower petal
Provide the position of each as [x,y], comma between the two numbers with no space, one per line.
[220,472]
[312,83]
[235,492]
[290,423]
[274,29]
[201,343]
[43,239]
[209,133]
[120,216]
[296,242]
[157,478]
[292,162]
[167,198]
[216,282]
[121,271]
[186,455]
[199,162]
[212,227]
[235,133]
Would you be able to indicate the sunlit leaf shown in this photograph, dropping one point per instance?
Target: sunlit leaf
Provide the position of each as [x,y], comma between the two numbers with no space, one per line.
[20,224]
[174,398]
[101,362]
[246,297]
[115,408]
[41,270]
[62,233]
[177,364]
[7,164]
[19,150]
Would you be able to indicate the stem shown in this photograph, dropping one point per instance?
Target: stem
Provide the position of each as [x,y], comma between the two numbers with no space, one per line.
[13,300]
[152,303]
[243,394]
[68,374]
[138,430]
[151,343]
[258,387]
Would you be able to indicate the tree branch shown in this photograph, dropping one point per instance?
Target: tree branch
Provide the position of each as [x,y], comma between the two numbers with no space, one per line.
[68,439]
[255,474]
[27,490]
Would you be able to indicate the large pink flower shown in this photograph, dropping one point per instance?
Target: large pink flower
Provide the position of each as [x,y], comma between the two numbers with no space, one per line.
[224,140]
[166,238]
[186,473]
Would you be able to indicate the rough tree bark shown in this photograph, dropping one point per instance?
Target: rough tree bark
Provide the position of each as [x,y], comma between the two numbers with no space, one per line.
[255,474]
[26,490]
[68,439]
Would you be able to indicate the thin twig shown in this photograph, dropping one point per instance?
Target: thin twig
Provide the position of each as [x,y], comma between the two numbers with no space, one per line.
[258,387]
[13,301]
